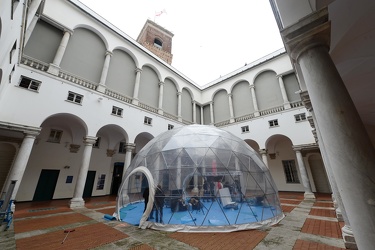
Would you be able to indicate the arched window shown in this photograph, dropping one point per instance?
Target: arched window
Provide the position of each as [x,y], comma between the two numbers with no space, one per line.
[158,43]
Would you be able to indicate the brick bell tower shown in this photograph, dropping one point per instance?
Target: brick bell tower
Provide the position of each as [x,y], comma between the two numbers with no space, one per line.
[157,39]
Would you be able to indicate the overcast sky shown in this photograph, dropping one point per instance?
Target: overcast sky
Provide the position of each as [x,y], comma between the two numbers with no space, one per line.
[211,37]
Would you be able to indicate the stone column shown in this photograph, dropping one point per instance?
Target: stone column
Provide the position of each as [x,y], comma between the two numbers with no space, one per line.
[161,91]
[263,153]
[77,200]
[304,176]
[136,86]
[283,92]
[202,116]
[231,120]
[212,113]
[179,107]
[54,67]
[195,189]
[341,215]
[348,147]
[103,77]
[255,102]
[20,162]
[129,147]
[194,112]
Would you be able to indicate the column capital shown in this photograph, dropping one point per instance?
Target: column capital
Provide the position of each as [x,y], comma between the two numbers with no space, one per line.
[161,83]
[263,151]
[108,53]
[251,86]
[178,93]
[193,102]
[305,98]
[66,30]
[311,31]
[230,94]
[129,147]
[138,70]
[87,140]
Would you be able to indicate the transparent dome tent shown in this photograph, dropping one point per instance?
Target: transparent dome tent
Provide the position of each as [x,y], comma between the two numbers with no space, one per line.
[201,179]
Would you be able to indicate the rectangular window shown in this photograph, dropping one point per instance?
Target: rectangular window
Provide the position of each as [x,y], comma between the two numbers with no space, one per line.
[147,120]
[122,147]
[55,136]
[117,111]
[74,97]
[97,143]
[100,183]
[170,126]
[245,129]
[273,123]
[290,171]
[29,83]
[300,117]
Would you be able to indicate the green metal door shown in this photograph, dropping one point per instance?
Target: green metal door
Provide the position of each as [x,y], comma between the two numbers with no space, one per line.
[89,185]
[46,185]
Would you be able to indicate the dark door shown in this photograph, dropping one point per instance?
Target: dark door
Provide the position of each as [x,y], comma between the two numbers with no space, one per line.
[89,185]
[46,185]
[118,170]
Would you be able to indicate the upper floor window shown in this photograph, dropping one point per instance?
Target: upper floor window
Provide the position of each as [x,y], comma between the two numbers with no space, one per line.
[11,53]
[97,143]
[170,126]
[29,83]
[117,111]
[273,123]
[74,97]
[158,43]
[300,117]
[245,129]
[290,171]
[55,136]
[147,120]
[122,147]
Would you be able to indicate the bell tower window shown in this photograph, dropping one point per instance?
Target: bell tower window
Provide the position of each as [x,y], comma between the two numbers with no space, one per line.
[158,43]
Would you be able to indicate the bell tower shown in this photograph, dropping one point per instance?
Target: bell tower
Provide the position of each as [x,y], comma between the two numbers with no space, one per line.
[157,39]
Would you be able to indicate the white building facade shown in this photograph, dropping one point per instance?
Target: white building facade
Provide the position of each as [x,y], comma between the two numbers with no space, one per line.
[79,98]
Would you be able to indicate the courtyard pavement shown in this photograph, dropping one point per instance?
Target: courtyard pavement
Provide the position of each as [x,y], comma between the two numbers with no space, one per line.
[53,225]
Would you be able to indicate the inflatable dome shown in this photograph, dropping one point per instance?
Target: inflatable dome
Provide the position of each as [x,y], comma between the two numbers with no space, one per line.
[198,178]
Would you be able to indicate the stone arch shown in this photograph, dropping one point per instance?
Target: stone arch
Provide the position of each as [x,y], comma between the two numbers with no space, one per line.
[221,106]
[149,86]
[242,99]
[253,144]
[121,72]
[97,32]
[186,105]
[85,54]
[141,140]
[170,97]
[267,90]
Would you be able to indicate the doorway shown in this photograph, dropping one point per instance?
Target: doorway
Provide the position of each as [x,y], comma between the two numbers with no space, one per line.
[118,170]
[46,185]
[89,185]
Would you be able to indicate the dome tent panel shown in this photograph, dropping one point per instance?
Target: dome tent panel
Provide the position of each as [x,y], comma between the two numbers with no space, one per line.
[204,173]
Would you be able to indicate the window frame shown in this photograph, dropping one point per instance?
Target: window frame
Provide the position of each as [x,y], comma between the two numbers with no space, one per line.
[170,126]
[75,95]
[245,129]
[147,121]
[116,111]
[290,172]
[57,135]
[273,123]
[29,85]
[302,117]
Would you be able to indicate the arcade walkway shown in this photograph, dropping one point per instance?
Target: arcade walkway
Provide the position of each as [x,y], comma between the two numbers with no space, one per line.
[41,225]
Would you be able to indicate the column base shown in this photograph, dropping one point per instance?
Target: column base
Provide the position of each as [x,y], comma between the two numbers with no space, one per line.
[160,112]
[309,196]
[53,69]
[348,237]
[135,101]
[77,203]
[339,215]
[101,88]
[287,105]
